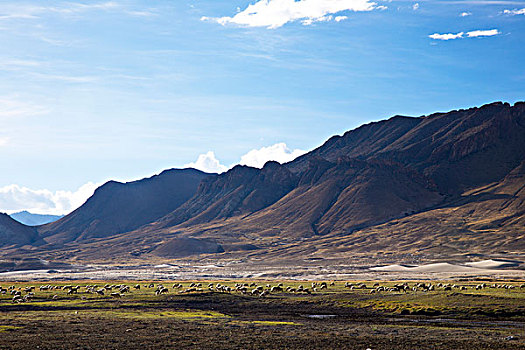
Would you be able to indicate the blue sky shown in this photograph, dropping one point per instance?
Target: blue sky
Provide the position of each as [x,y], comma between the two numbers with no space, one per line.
[98,90]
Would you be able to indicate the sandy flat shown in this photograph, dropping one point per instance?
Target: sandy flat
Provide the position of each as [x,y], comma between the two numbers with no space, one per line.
[438,267]
[340,272]
[494,264]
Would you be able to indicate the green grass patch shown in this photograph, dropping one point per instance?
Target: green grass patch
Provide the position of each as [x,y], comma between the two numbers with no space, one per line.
[275,323]
[155,314]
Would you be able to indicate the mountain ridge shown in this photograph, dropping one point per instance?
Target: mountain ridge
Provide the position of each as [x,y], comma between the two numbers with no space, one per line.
[121,207]
[400,174]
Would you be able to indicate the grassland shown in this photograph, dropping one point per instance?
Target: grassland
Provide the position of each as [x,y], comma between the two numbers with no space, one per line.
[335,317]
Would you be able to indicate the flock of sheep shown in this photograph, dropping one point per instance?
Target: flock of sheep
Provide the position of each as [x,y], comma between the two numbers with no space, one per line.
[405,287]
[26,294]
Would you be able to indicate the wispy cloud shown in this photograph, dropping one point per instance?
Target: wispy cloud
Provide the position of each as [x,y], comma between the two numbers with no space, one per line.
[415,6]
[7,64]
[20,11]
[108,5]
[4,141]
[13,107]
[465,14]
[142,13]
[24,11]
[276,13]
[515,12]
[15,198]
[19,15]
[54,42]
[66,78]
[461,35]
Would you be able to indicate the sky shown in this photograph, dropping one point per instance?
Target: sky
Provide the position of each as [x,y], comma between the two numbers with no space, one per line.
[98,90]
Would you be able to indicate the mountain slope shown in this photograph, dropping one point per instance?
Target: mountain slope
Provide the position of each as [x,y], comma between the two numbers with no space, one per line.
[487,220]
[447,152]
[457,150]
[379,172]
[14,233]
[121,207]
[332,197]
[439,184]
[239,191]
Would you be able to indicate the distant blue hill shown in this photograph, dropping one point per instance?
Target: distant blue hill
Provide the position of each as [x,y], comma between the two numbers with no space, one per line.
[30,219]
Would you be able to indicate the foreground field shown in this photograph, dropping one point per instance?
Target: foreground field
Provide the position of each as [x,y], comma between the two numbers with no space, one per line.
[263,315]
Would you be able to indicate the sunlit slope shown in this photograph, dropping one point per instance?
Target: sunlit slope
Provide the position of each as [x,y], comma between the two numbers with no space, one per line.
[448,183]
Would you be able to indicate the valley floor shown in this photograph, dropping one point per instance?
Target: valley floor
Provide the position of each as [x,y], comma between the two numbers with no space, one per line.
[460,314]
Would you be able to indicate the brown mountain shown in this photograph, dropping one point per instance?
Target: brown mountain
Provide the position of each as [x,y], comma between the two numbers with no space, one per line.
[405,184]
[457,150]
[240,191]
[487,220]
[330,197]
[377,172]
[121,207]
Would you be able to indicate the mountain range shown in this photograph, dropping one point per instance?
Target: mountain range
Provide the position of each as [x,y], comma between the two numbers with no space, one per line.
[444,184]
[31,219]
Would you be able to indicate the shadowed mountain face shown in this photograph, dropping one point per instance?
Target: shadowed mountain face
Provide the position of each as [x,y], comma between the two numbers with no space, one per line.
[405,184]
[121,207]
[240,191]
[380,171]
[456,150]
[14,233]
[337,197]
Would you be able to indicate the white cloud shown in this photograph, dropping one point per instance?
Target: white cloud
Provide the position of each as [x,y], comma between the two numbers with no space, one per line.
[460,35]
[309,21]
[340,18]
[207,163]
[415,6]
[465,14]
[276,13]
[515,12]
[4,141]
[448,36]
[14,198]
[278,152]
[254,158]
[478,33]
